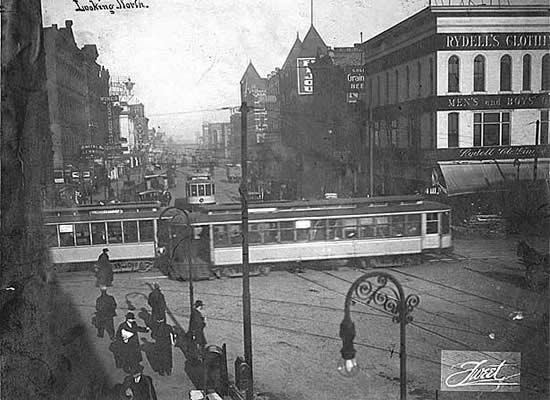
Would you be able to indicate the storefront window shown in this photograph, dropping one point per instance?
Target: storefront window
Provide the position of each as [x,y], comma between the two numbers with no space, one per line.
[452,128]
[492,129]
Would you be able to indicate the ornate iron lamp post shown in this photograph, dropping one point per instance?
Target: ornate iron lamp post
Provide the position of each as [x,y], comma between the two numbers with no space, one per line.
[384,290]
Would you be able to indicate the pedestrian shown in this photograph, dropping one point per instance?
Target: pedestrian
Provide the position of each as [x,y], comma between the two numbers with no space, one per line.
[138,385]
[127,343]
[197,323]
[104,270]
[158,305]
[164,337]
[105,306]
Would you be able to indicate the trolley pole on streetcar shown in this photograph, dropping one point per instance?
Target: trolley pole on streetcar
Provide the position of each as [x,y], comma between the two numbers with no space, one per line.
[243,191]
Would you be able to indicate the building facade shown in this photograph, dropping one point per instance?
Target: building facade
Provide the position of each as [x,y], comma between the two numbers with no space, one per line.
[453,97]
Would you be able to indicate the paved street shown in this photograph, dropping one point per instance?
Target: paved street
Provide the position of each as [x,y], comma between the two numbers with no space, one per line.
[465,303]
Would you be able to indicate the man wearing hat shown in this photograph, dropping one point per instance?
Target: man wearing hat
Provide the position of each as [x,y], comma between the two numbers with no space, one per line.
[128,343]
[104,270]
[197,323]
[139,385]
[158,305]
[105,306]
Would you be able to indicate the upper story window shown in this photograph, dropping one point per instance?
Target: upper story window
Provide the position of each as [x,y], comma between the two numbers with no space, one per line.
[452,130]
[378,100]
[492,129]
[526,84]
[408,82]
[431,88]
[479,73]
[397,86]
[506,73]
[387,87]
[546,72]
[453,77]
[544,126]
[419,78]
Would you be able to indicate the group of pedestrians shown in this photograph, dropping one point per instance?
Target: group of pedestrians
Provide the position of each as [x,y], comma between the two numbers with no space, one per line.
[125,341]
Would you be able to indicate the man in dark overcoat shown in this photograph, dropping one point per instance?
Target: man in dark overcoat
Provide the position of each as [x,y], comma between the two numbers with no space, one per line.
[104,270]
[105,306]
[139,385]
[158,305]
[197,323]
[127,343]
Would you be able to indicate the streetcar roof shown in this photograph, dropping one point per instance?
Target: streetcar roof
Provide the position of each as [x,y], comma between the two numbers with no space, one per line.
[342,210]
[96,212]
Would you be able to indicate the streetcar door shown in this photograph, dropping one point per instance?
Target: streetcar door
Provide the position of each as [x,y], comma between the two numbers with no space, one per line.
[431,230]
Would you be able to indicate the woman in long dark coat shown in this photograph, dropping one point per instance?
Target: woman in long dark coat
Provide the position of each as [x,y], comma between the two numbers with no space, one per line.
[164,336]
[104,270]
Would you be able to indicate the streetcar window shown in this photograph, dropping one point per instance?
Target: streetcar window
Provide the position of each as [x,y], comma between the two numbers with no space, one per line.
[334,230]
[413,225]
[114,232]
[302,230]
[254,235]
[220,236]
[445,222]
[382,226]
[193,190]
[66,235]
[201,190]
[213,188]
[130,231]
[82,232]
[208,190]
[319,230]
[50,235]
[349,228]
[367,227]
[234,232]
[146,231]
[98,233]
[271,232]
[431,223]
[287,231]
[398,225]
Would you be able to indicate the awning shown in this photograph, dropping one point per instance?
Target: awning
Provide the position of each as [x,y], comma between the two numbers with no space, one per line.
[462,177]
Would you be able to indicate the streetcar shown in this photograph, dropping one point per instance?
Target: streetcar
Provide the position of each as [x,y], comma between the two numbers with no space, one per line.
[76,236]
[200,190]
[369,232]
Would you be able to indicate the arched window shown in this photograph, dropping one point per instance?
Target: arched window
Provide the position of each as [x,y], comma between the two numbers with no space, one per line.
[526,85]
[506,73]
[408,82]
[397,86]
[479,73]
[546,72]
[453,77]
[419,78]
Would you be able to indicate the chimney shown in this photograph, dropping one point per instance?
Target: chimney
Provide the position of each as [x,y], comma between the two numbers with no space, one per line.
[68,24]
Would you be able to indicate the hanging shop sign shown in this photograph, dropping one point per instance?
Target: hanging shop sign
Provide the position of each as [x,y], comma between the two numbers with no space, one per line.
[493,101]
[480,371]
[305,76]
[355,81]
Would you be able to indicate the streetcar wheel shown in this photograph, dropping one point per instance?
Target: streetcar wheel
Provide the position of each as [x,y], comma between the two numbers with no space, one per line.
[264,270]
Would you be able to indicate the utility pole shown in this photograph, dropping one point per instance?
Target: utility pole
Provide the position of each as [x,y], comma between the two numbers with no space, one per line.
[537,130]
[243,190]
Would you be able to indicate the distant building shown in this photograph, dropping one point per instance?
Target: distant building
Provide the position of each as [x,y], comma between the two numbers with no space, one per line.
[216,138]
[76,84]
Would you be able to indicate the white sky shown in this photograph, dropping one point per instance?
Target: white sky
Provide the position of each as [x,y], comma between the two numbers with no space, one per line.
[189,55]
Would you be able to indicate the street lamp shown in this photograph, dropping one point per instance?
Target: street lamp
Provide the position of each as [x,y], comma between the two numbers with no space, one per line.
[384,290]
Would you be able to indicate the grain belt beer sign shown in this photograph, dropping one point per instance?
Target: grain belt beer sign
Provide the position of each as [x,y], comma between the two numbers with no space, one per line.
[305,76]
[480,371]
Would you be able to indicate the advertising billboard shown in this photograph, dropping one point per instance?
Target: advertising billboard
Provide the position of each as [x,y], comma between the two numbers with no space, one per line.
[305,76]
